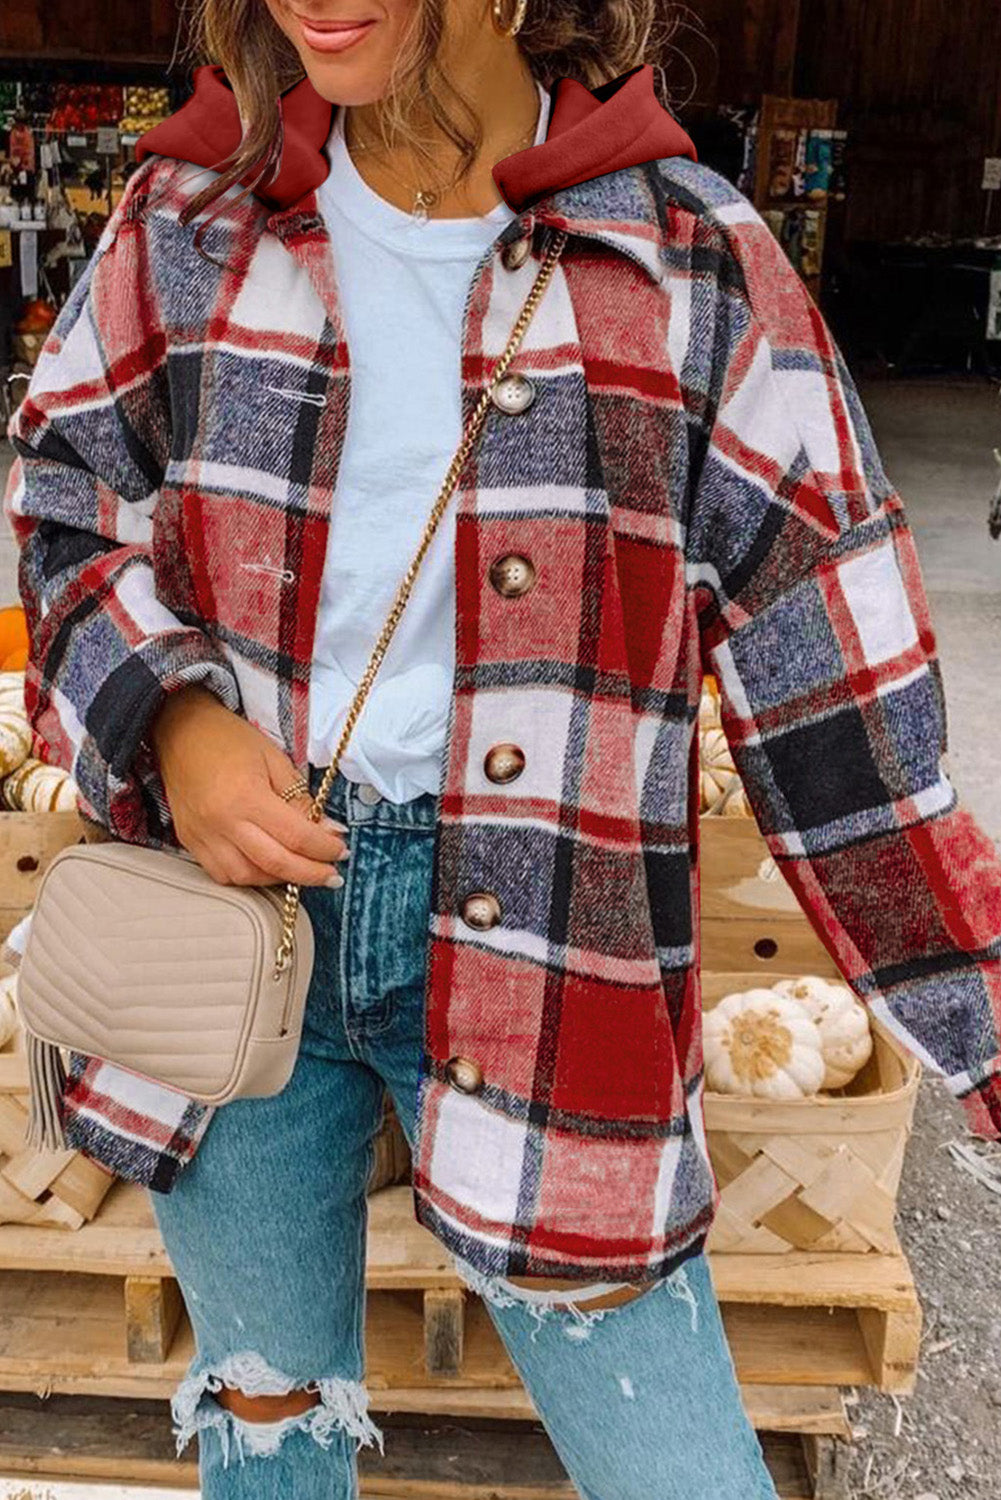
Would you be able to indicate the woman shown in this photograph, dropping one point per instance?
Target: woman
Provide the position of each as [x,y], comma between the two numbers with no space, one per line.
[224,463]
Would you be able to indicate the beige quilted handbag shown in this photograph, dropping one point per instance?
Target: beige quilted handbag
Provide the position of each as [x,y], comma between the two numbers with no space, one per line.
[139,957]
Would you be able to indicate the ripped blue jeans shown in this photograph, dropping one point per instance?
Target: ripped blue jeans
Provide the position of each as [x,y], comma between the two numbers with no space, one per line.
[266,1231]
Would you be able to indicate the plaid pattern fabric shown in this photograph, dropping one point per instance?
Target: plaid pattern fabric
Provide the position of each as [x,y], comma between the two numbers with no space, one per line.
[697,488]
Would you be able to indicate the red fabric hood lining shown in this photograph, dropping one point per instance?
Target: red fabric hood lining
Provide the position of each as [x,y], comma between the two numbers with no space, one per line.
[620,124]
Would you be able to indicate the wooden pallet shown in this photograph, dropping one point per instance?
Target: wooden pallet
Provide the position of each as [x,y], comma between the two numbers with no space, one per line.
[95,1440]
[113,1323]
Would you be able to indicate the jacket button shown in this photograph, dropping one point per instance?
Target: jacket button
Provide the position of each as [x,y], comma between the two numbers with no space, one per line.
[512,575]
[481,911]
[464,1074]
[513,394]
[515,252]
[504,763]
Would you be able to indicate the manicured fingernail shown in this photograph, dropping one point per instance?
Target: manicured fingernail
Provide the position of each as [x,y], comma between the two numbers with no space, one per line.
[344,854]
[335,880]
[337,827]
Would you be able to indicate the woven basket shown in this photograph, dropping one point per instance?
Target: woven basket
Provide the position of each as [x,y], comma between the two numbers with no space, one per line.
[819,1173]
[61,1189]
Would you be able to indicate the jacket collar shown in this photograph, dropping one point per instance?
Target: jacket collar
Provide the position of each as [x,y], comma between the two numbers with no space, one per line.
[622,216]
[563,181]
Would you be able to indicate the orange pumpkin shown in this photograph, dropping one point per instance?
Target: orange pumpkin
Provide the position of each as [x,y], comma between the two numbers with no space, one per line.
[16,661]
[13,631]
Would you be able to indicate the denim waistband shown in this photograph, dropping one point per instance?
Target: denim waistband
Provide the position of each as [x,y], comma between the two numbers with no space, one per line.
[354,802]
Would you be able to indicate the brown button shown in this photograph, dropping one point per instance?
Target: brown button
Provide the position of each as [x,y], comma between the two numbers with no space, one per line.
[512,575]
[504,763]
[481,910]
[513,394]
[465,1075]
[516,252]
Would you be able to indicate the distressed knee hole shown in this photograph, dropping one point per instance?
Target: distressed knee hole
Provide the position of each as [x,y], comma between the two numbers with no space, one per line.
[580,1306]
[251,1407]
[265,1408]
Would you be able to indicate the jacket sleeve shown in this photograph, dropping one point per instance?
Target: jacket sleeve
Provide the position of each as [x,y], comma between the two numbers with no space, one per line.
[91,441]
[814,619]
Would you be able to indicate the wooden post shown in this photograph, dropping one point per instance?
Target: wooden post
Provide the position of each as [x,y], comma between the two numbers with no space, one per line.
[153,1307]
[444,1316]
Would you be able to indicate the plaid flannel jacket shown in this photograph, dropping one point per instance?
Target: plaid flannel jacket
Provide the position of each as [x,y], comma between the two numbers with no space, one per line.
[697,488]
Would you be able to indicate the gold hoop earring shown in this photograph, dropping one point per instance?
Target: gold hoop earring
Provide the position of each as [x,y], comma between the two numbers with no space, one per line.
[512,27]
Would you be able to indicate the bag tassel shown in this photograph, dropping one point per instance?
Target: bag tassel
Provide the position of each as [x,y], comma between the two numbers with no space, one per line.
[46,1080]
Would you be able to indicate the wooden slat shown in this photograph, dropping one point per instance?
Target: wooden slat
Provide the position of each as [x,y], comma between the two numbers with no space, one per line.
[810,1280]
[124,1240]
[790,1408]
[87,1440]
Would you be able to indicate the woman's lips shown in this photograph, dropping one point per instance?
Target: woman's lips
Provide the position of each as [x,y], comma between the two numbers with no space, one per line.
[333,36]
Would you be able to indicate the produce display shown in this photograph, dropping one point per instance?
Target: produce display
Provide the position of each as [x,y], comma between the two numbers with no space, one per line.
[793,1040]
[721,791]
[84,106]
[143,108]
[38,317]
[66,152]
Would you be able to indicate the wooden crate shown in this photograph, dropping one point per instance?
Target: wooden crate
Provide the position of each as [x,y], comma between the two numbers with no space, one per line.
[104,1326]
[751,919]
[28,842]
[818,1174]
[88,1439]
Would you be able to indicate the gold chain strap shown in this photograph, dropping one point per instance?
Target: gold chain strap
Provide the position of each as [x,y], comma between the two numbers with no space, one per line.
[291,902]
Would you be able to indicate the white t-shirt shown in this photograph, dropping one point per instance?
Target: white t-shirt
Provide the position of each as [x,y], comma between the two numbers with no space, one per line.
[402,287]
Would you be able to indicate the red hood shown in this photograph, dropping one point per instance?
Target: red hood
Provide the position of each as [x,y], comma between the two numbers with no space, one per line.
[590,132]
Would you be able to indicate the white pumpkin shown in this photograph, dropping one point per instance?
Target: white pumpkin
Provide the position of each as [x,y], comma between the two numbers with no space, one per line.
[12,687]
[734,803]
[8,1010]
[709,715]
[38,787]
[842,1020]
[760,1043]
[64,798]
[717,772]
[15,737]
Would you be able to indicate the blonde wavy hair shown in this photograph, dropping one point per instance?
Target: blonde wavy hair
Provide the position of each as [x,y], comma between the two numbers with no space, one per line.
[590,40]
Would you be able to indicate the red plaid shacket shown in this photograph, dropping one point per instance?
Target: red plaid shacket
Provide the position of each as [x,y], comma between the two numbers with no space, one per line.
[696,487]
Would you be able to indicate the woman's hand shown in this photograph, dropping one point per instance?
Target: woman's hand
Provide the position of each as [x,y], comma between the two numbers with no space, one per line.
[223,778]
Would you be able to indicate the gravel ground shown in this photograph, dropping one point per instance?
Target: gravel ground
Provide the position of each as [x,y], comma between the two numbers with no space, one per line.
[944,1441]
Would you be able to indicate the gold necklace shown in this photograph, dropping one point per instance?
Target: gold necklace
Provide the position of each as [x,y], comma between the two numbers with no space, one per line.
[424,198]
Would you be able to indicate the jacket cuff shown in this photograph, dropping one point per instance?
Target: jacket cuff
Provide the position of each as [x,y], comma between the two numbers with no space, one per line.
[138,810]
[982,1107]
